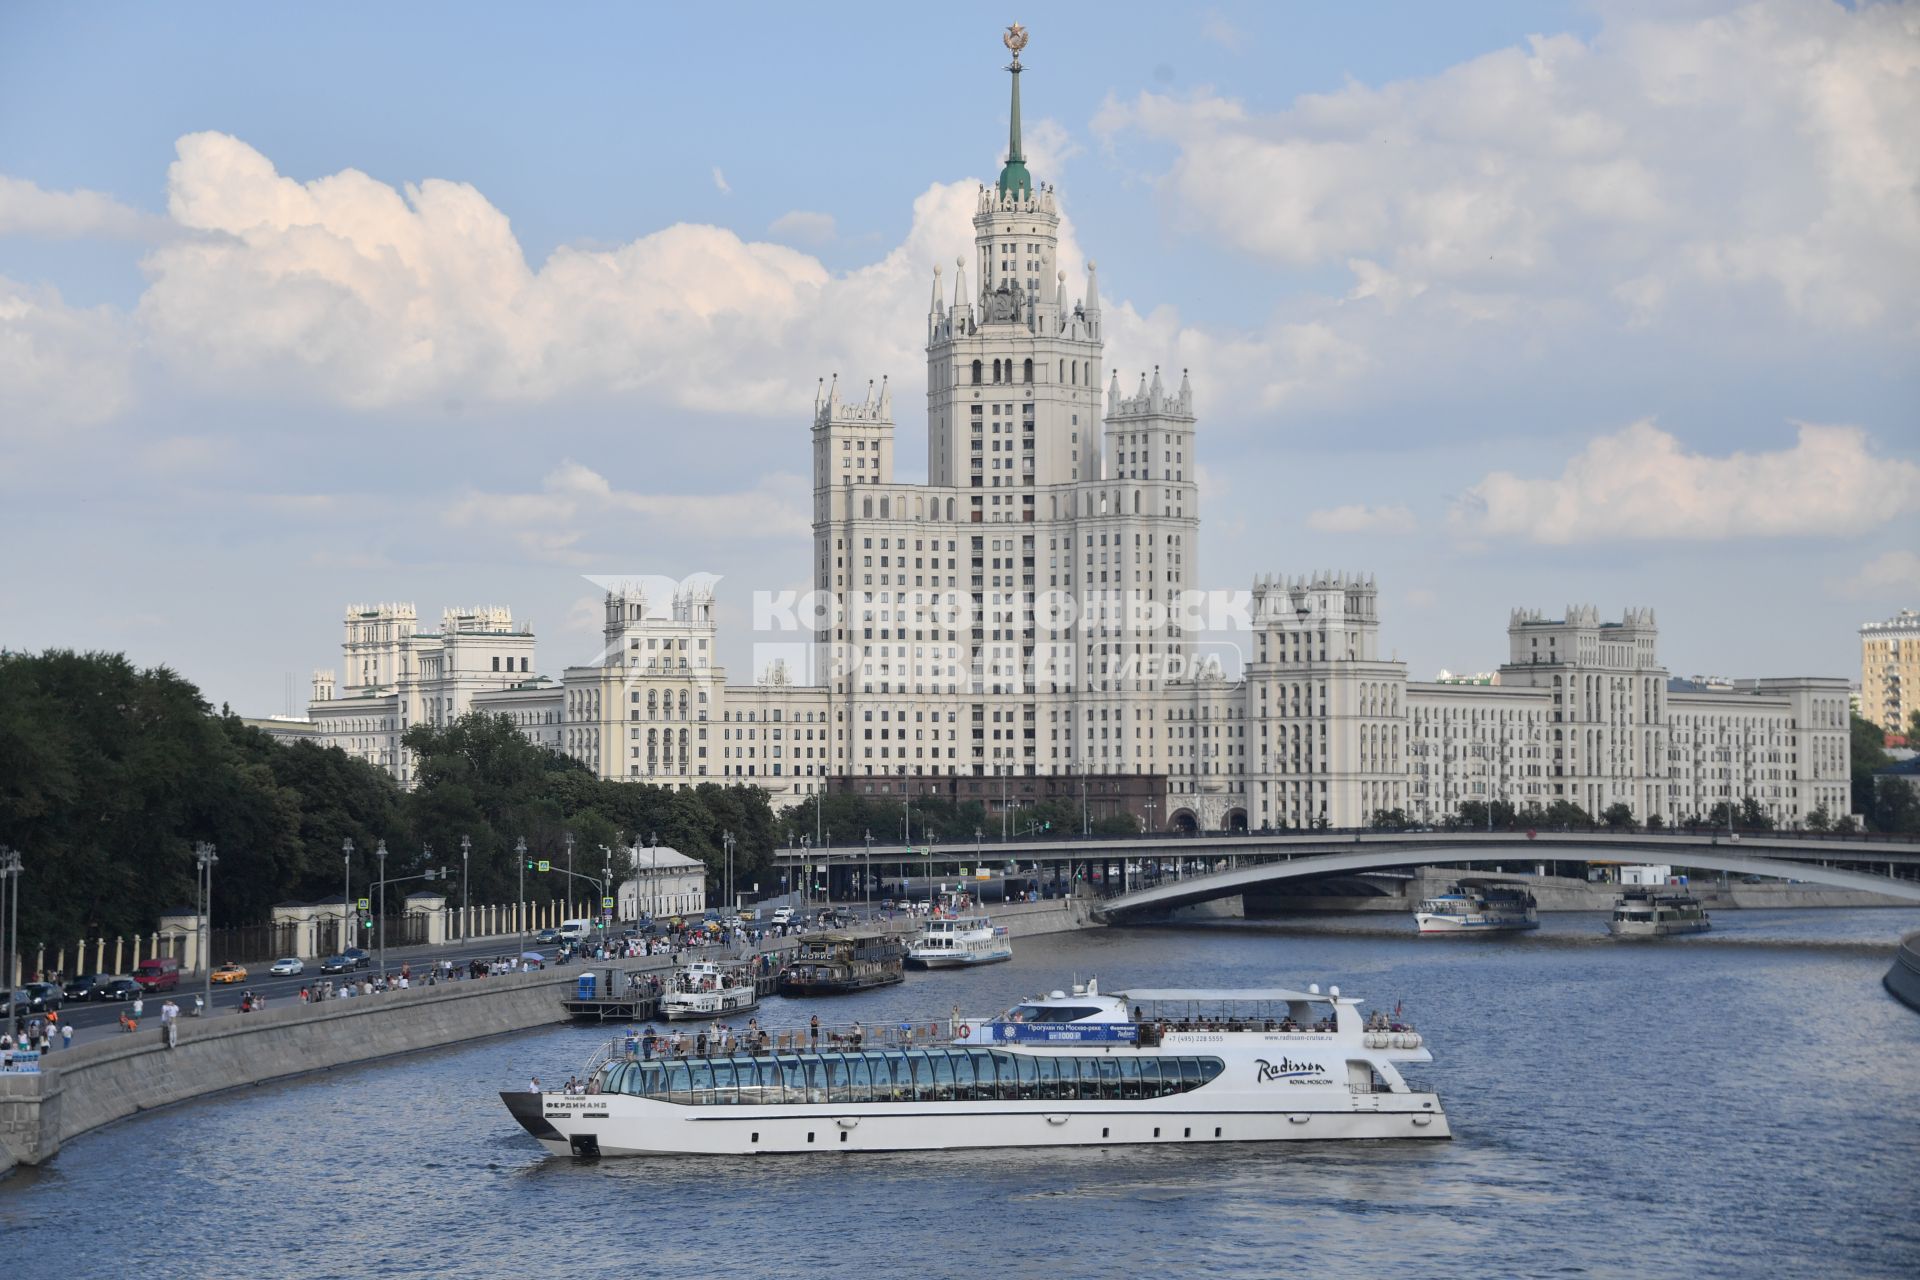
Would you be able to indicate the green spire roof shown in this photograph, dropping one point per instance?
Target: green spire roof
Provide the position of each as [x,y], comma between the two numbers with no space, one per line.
[1014,178]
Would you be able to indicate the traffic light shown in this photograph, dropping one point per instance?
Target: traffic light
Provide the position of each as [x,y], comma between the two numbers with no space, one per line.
[1046,826]
[530,865]
[366,924]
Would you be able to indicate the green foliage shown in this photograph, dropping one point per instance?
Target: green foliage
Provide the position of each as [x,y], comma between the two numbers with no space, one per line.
[1389,819]
[1868,751]
[1617,815]
[109,775]
[1820,820]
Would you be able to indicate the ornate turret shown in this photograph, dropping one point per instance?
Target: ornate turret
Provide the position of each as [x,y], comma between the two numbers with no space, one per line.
[1014,179]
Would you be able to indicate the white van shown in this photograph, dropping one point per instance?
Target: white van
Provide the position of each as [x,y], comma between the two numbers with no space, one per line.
[575,930]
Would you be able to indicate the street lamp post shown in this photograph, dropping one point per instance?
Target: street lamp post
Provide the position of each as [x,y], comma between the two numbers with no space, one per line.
[466,920]
[520,921]
[726,840]
[10,869]
[569,843]
[380,906]
[806,868]
[205,859]
[346,893]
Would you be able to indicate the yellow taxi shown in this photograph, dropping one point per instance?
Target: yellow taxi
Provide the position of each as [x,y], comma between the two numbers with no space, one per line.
[229,973]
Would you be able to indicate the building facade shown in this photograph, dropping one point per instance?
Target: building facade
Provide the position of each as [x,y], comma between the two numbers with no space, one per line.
[1029,612]
[1890,670]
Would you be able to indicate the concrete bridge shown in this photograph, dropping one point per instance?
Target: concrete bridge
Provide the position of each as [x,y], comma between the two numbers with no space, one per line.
[1152,874]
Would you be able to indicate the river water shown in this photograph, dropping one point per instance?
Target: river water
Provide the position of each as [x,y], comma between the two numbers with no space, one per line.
[1741,1104]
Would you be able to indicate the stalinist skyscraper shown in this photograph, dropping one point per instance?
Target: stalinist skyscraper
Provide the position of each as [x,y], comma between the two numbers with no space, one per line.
[1000,618]
[1022,626]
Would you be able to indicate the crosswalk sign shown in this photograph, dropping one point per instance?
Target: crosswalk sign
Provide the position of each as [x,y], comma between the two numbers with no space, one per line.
[607,903]
[545,865]
[364,904]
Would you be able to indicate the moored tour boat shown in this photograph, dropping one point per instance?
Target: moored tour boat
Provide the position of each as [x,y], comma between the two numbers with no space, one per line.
[1079,1069]
[706,989]
[1649,913]
[953,942]
[1479,906]
[829,964]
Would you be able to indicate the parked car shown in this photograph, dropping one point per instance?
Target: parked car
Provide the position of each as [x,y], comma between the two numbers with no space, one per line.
[783,915]
[335,964]
[360,957]
[86,987]
[228,972]
[42,996]
[118,989]
[286,966]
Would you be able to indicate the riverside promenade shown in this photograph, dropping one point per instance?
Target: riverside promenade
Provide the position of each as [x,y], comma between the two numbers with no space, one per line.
[112,1075]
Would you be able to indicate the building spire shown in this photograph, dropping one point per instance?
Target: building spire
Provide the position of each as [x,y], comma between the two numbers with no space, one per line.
[1014,178]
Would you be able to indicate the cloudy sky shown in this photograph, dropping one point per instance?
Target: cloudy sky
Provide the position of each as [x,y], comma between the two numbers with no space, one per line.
[1508,304]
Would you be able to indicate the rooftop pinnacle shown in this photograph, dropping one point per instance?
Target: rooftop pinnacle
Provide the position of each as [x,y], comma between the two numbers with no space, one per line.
[1014,179]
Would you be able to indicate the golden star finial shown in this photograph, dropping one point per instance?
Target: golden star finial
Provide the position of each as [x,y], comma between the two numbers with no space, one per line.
[1015,40]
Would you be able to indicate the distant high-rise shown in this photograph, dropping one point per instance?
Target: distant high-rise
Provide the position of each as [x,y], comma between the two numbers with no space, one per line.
[1890,670]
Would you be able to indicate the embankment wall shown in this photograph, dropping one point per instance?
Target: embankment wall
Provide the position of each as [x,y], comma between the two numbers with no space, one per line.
[86,1087]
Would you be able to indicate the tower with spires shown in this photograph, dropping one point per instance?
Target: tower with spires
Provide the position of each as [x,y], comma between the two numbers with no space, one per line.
[1027,496]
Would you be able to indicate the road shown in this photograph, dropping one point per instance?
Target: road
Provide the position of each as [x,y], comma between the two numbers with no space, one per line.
[93,1019]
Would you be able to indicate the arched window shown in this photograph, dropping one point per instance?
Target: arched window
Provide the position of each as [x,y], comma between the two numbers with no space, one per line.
[949,508]
[1075,380]
[976,373]
[866,507]
[1027,371]
[1063,371]
[885,513]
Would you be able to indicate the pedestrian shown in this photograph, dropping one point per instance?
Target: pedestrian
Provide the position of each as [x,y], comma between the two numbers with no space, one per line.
[813,1030]
[66,1035]
[533,1084]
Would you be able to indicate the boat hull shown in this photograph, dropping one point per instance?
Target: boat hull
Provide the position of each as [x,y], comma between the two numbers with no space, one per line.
[1656,929]
[793,987]
[1456,924]
[616,1125]
[958,959]
[675,1013]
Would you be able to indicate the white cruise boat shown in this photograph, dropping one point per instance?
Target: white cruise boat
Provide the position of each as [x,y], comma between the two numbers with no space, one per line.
[1649,913]
[1479,906]
[1079,1069]
[954,942]
[705,989]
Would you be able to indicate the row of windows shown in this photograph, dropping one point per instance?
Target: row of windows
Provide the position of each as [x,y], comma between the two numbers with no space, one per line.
[912,1075]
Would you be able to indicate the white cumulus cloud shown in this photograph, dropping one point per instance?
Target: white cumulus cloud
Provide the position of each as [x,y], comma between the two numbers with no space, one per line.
[27,209]
[1774,146]
[804,225]
[1357,518]
[1642,483]
[1891,573]
[720,182]
[60,365]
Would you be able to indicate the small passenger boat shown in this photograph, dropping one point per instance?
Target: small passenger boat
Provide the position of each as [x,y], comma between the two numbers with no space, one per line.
[1650,913]
[1479,906]
[831,964]
[706,989]
[1147,1065]
[955,942]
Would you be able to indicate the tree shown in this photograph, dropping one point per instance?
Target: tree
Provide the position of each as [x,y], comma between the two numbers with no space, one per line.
[1820,819]
[1754,817]
[1617,815]
[1867,752]
[1389,819]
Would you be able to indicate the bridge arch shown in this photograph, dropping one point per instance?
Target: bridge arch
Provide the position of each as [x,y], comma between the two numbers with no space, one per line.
[1729,858]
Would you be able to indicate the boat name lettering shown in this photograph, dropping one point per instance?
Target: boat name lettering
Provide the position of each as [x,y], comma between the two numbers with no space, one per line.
[1286,1069]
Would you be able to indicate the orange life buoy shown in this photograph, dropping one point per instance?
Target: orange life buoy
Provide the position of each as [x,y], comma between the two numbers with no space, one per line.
[962,1031]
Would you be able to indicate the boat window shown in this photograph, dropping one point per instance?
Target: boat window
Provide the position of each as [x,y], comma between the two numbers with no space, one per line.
[1050,1013]
[724,1088]
[1028,1071]
[965,1080]
[838,1079]
[679,1087]
[1150,1082]
[943,1072]
[702,1079]
[1130,1077]
[792,1081]
[1109,1069]
[859,1078]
